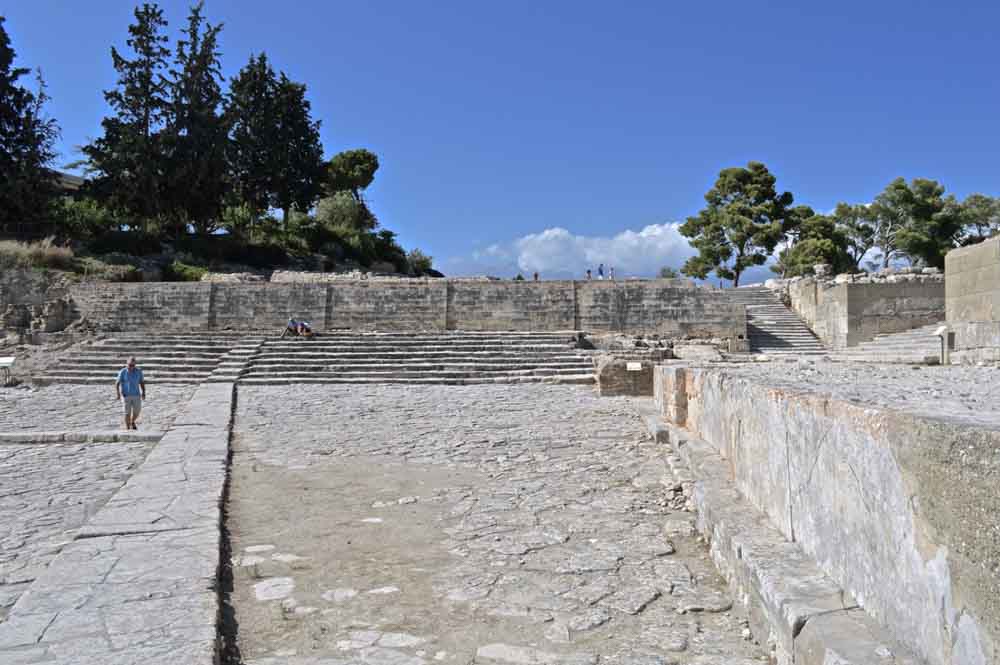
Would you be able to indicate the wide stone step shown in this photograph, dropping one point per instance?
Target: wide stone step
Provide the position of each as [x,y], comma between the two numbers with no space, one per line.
[321,345]
[46,379]
[388,356]
[437,374]
[581,379]
[361,367]
[145,361]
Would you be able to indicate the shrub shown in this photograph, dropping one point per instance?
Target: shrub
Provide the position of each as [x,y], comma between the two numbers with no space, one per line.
[228,249]
[419,262]
[40,254]
[91,267]
[85,218]
[182,272]
[136,243]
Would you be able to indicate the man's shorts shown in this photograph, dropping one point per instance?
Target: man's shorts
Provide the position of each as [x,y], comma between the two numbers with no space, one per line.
[133,405]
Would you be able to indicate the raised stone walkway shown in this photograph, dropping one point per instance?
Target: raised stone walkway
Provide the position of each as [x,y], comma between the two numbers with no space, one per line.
[136,582]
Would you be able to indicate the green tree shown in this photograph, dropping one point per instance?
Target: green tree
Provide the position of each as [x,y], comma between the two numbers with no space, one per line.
[298,170]
[128,159]
[917,220]
[667,272]
[196,132]
[342,210]
[27,140]
[858,224]
[741,225]
[352,171]
[419,262]
[980,218]
[250,114]
[820,241]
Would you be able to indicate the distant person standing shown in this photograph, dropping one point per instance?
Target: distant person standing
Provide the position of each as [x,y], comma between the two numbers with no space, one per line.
[536,275]
[611,273]
[600,271]
[131,390]
[589,276]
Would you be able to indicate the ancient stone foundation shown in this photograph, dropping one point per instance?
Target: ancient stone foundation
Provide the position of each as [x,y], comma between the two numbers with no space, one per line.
[897,509]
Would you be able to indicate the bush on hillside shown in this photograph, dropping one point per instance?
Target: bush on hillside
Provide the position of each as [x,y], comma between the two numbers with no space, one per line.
[228,249]
[39,254]
[136,243]
[183,272]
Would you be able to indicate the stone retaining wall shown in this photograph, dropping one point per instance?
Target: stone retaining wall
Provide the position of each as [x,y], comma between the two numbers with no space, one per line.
[899,510]
[972,275]
[648,306]
[845,314]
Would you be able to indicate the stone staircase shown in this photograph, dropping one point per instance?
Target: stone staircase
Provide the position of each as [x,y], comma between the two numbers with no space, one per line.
[443,358]
[169,358]
[917,347]
[336,357]
[772,328]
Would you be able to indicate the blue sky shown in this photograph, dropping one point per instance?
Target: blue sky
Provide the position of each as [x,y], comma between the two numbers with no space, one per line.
[557,135]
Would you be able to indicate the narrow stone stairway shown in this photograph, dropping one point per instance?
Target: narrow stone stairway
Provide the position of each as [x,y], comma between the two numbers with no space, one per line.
[772,328]
[442,358]
[916,347]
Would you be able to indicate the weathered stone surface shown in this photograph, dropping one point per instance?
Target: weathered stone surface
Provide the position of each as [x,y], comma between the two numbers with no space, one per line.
[70,408]
[914,552]
[537,535]
[614,377]
[137,584]
[639,306]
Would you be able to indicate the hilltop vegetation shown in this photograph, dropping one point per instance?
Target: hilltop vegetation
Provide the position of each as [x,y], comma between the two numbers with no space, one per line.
[187,162]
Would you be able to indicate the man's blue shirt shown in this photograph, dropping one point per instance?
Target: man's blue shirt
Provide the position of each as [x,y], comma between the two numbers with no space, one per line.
[130,381]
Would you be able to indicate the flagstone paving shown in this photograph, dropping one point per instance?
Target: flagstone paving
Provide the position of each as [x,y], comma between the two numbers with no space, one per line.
[86,407]
[472,524]
[47,492]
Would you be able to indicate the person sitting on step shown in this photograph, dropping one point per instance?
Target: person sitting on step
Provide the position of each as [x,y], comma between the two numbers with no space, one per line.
[297,328]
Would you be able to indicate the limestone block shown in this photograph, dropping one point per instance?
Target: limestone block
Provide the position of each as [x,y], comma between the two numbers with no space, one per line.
[615,378]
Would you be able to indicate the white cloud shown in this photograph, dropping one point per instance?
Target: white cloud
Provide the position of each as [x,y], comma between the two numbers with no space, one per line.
[557,252]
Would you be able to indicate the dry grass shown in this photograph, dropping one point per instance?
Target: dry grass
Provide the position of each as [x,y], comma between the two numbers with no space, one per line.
[39,254]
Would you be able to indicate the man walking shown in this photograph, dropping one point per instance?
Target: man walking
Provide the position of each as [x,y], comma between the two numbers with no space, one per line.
[131,390]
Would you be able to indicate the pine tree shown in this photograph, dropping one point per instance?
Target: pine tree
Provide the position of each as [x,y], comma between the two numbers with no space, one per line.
[743,222]
[275,154]
[299,171]
[196,132]
[129,158]
[27,144]
[250,113]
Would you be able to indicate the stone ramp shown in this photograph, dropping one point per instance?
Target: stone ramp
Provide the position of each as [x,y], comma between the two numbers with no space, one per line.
[916,347]
[773,328]
[417,358]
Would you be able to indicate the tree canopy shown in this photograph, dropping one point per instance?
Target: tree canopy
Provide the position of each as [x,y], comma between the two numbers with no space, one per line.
[27,140]
[739,228]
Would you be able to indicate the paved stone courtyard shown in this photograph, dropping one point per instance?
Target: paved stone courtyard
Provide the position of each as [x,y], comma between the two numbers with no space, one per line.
[482,524]
[48,491]
[86,407]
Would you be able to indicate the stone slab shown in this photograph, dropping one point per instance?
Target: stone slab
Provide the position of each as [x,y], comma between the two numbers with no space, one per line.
[780,587]
[137,585]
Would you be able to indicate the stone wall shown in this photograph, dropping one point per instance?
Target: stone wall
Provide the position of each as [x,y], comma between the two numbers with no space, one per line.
[898,509]
[972,276]
[663,307]
[845,313]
